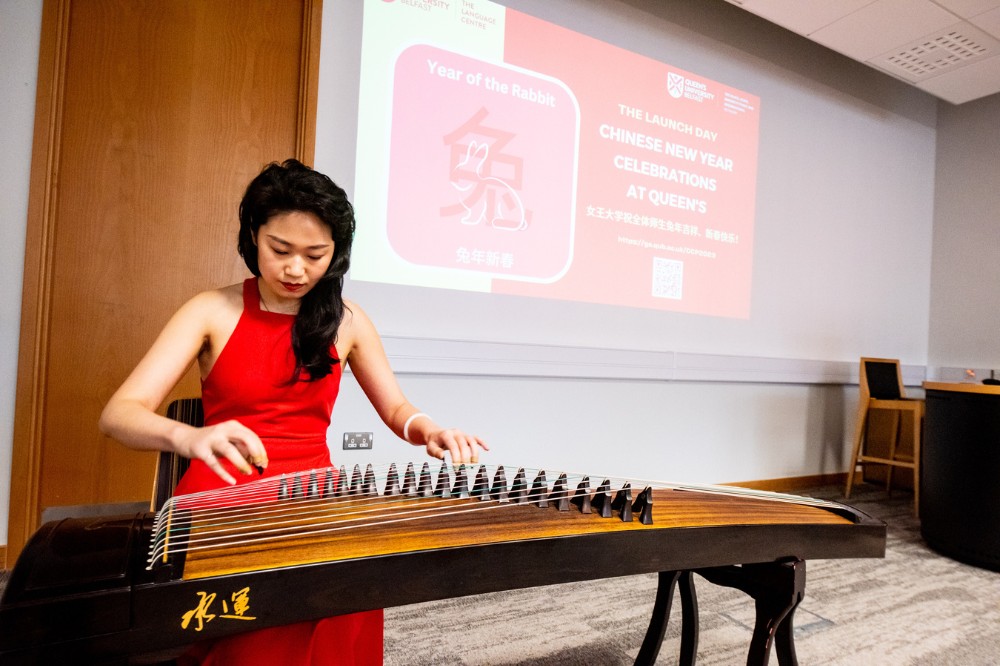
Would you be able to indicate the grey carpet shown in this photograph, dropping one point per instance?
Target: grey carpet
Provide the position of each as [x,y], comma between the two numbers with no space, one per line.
[913,608]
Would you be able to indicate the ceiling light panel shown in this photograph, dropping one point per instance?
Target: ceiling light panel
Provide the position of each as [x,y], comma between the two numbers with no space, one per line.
[935,54]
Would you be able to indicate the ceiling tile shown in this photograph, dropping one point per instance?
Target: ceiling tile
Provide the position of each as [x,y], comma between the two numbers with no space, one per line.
[988,22]
[881,26]
[967,83]
[969,8]
[803,16]
[948,48]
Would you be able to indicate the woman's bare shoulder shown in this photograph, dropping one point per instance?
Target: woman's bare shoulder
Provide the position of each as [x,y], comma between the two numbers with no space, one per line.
[213,307]
[224,297]
[350,306]
[354,315]
[355,330]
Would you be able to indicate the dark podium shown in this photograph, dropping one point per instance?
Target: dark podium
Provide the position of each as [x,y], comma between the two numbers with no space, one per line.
[960,472]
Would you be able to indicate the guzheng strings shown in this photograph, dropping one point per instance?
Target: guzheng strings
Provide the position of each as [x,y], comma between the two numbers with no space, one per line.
[331,500]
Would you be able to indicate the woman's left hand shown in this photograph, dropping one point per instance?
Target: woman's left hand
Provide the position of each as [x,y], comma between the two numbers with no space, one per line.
[462,447]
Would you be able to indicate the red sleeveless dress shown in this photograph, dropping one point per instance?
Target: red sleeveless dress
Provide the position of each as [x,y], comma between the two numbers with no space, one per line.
[249,383]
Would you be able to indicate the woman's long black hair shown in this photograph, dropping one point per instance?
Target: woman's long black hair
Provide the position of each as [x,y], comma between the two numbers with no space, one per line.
[284,188]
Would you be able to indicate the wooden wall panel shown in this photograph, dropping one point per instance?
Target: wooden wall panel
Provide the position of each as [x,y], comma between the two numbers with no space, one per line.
[151,119]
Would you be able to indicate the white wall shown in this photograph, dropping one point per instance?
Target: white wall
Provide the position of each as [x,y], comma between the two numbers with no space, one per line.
[20,28]
[965,301]
[841,269]
[690,431]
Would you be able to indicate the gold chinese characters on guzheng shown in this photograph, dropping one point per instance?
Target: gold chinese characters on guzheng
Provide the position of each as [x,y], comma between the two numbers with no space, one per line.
[222,562]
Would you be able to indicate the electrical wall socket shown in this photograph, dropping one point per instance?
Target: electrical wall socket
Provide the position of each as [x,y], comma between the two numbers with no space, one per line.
[357,440]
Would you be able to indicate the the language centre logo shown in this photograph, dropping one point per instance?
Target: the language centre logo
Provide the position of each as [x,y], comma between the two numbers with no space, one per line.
[679,86]
[425,5]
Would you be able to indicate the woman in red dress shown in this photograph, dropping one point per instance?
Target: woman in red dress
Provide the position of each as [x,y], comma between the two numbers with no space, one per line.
[271,351]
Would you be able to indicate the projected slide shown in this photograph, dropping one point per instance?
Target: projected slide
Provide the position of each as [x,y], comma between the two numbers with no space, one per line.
[500,153]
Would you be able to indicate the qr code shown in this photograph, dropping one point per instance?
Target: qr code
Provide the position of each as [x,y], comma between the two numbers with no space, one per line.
[668,278]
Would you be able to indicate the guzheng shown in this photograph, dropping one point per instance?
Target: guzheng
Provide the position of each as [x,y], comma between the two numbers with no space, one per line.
[140,588]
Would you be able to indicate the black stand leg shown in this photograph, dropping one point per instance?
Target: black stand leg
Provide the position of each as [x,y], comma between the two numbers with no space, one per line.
[784,642]
[658,622]
[689,620]
[650,649]
[776,588]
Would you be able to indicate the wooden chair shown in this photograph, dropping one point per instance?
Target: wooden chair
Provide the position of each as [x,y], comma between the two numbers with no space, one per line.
[881,387]
[169,466]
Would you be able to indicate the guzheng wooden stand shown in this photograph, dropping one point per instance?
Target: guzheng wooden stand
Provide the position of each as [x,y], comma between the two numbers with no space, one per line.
[140,589]
[776,588]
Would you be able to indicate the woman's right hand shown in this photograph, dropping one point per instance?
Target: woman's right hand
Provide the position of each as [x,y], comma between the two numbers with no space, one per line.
[230,440]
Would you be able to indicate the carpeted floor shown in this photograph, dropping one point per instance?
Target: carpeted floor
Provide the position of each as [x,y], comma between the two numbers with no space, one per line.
[913,608]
